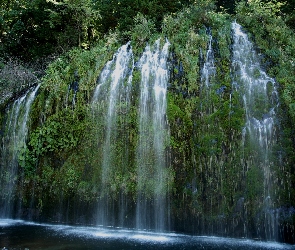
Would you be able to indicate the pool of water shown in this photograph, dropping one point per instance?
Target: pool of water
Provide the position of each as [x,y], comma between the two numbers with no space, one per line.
[22,235]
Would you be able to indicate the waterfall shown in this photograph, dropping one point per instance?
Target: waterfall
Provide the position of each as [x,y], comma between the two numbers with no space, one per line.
[206,133]
[113,89]
[208,69]
[260,100]
[152,173]
[14,141]
[73,88]
[111,102]
[118,76]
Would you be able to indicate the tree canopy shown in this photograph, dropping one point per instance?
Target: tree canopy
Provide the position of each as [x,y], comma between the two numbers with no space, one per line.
[33,29]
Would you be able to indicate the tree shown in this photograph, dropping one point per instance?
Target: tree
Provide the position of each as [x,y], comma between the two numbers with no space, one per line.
[32,29]
[74,21]
[121,13]
[289,9]
[228,5]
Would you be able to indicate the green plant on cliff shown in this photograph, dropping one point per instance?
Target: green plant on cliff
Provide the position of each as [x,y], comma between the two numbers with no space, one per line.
[276,41]
[204,124]
[278,48]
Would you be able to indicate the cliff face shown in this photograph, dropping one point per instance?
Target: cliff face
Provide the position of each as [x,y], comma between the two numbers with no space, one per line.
[215,156]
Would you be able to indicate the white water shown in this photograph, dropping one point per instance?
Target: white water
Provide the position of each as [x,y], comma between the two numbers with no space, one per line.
[15,135]
[119,74]
[210,163]
[112,96]
[46,236]
[260,100]
[113,90]
[208,69]
[152,171]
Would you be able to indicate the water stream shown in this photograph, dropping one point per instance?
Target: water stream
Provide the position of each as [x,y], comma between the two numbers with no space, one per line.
[152,204]
[113,88]
[260,99]
[14,142]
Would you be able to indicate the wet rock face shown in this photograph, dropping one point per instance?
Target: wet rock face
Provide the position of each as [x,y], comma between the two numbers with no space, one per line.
[177,79]
[15,79]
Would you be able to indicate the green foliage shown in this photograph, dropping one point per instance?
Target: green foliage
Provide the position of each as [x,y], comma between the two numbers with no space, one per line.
[38,28]
[254,177]
[121,13]
[49,138]
[289,9]
[61,74]
[205,122]
[77,18]
[143,30]
[22,27]
[276,41]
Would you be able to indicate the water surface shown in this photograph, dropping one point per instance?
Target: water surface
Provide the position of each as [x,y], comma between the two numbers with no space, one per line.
[17,234]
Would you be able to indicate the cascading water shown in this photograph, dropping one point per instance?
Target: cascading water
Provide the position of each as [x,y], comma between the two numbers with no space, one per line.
[14,141]
[152,172]
[260,99]
[115,84]
[208,69]
[208,163]
[74,88]
[111,97]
